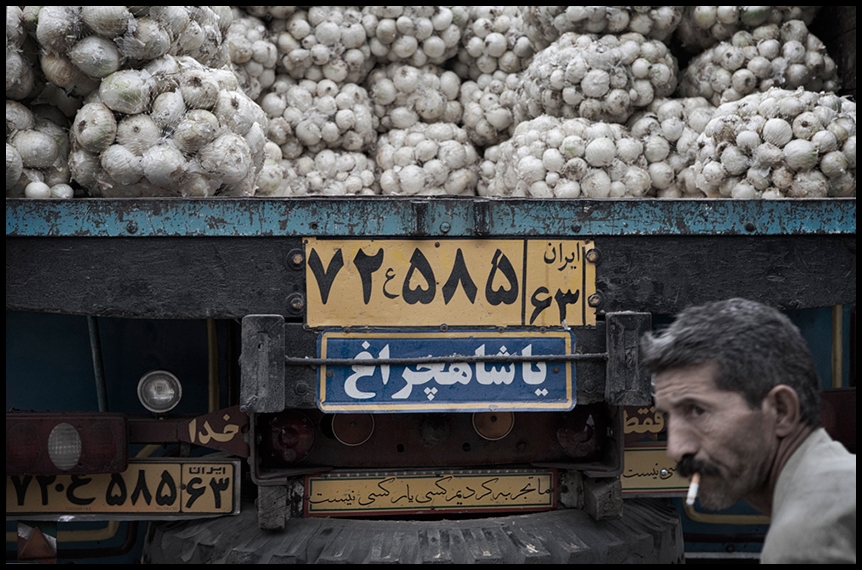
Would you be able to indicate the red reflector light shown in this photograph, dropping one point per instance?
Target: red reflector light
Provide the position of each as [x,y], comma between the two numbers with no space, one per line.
[73,443]
[288,436]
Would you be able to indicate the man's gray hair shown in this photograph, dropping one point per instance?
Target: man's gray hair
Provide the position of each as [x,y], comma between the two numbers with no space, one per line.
[755,347]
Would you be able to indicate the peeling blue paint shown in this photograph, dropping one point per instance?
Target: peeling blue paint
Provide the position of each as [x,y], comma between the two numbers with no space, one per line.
[426,217]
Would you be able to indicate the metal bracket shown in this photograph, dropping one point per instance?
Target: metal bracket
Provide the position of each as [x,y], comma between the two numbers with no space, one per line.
[262,364]
[627,383]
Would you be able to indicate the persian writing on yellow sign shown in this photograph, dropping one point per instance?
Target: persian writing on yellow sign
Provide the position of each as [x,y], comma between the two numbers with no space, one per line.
[512,282]
[162,488]
[648,470]
[424,493]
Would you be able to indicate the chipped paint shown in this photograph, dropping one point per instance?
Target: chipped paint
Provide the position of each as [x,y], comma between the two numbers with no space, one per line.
[388,216]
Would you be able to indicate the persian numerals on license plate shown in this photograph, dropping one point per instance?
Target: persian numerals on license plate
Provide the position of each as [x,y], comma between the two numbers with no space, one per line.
[147,489]
[532,384]
[458,282]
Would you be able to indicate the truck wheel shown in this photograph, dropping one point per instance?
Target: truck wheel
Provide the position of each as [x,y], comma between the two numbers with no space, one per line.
[649,532]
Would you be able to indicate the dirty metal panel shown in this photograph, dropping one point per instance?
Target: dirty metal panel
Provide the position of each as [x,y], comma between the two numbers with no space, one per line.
[665,274]
[437,216]
[459,386]
[166,277]
[448,492]
[262,364]
[148,489]
[542,282]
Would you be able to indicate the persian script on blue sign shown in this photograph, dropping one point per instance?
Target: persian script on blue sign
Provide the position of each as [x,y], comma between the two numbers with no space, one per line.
[513,376]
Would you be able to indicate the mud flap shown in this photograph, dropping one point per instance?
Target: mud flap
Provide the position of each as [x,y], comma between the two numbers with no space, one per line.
[649,532]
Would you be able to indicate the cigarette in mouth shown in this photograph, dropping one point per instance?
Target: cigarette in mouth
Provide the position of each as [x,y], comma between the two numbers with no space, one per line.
[692,489]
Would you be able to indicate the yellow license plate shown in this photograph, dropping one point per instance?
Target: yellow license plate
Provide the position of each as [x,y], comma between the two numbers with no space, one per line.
[512,282]
[486,491]
[147,489]
[649,471]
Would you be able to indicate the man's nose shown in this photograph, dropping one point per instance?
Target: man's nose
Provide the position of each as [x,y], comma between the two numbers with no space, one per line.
[681,441]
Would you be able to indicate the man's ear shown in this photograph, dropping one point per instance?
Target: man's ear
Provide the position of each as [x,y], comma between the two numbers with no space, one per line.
[785,405]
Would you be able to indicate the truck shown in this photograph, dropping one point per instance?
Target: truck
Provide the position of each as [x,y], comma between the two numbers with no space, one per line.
[412,380]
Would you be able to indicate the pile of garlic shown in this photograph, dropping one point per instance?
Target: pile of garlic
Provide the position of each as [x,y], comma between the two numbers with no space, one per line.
[777,144]
[668,130]
[704,26]
[785,56]
[427,159]
[323,42]
[404,95]
[329,173]
[175,127]
[601,78]
[37,147]
[253,56]
[545,24]
[549,157]
[414,34]
[83,44]
[312,116]
[493,40]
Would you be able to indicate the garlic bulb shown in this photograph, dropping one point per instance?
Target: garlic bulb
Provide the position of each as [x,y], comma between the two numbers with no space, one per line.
[785,56]
[776,143]
[598,78]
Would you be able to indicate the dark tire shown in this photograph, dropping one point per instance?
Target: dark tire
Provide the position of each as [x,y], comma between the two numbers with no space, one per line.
[649,532]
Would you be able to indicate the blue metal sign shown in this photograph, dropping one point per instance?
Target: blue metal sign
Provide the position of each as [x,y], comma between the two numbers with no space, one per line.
[446,372]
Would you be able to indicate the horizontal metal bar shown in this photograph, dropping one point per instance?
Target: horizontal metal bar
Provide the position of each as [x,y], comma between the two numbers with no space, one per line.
[452,217]
[452,359]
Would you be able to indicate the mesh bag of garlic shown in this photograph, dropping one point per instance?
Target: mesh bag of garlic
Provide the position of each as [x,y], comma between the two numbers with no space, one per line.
[493,40]
[668,130]
[174,127]
[323,42]
[83,44]
[704,26]
[21,78]
[414,34]
[779,143]
[550,157]
[427,159]
[545,24]
[253,55]
[785,56]
[600,78]
[403,95]
[37,150]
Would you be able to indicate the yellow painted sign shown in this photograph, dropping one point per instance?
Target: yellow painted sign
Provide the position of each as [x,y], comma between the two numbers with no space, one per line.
[176,488]
[648,470]
[514,282]
[424,493]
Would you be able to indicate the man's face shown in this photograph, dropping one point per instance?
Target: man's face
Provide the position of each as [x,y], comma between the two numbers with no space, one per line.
[716,433]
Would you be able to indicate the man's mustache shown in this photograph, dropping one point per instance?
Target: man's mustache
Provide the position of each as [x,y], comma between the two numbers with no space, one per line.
[688,466]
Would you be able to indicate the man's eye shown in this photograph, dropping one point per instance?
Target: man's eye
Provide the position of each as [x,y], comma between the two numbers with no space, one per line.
[697,411]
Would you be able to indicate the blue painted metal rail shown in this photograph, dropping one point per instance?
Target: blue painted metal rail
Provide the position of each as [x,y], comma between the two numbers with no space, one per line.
[424,217]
